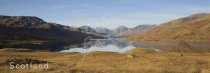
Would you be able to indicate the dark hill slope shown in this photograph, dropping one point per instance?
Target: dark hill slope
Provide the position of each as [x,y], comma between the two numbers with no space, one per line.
[33,32]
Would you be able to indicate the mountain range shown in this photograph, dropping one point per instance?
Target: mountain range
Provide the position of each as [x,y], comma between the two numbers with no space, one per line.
[120,31]
[33,32]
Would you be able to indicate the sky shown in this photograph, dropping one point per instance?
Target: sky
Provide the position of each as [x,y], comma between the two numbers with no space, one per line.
[105,13]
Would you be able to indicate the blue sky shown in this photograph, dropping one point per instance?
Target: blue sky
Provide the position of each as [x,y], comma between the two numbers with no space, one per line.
[107,13]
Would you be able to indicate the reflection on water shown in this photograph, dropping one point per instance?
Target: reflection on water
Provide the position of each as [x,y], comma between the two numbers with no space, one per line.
[110,48]
[111,45]
[120,45]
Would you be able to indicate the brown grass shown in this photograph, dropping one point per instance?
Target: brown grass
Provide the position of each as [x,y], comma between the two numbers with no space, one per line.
[145,61]
[191,28]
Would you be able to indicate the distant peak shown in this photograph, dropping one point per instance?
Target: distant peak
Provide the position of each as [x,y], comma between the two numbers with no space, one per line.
[121,27]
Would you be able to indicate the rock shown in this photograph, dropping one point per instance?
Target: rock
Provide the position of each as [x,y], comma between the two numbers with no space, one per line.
[131,56]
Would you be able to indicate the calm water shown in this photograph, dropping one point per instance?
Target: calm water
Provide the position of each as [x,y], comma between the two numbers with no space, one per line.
[111,45]
[120,45]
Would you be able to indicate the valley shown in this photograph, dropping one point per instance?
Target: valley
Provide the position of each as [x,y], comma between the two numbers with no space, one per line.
[142,49]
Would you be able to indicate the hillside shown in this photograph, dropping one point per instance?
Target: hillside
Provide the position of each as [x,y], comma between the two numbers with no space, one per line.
[192,28]
[33,32]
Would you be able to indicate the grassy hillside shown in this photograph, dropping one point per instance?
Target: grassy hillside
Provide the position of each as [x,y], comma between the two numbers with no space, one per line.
[192,28]
[133,61]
